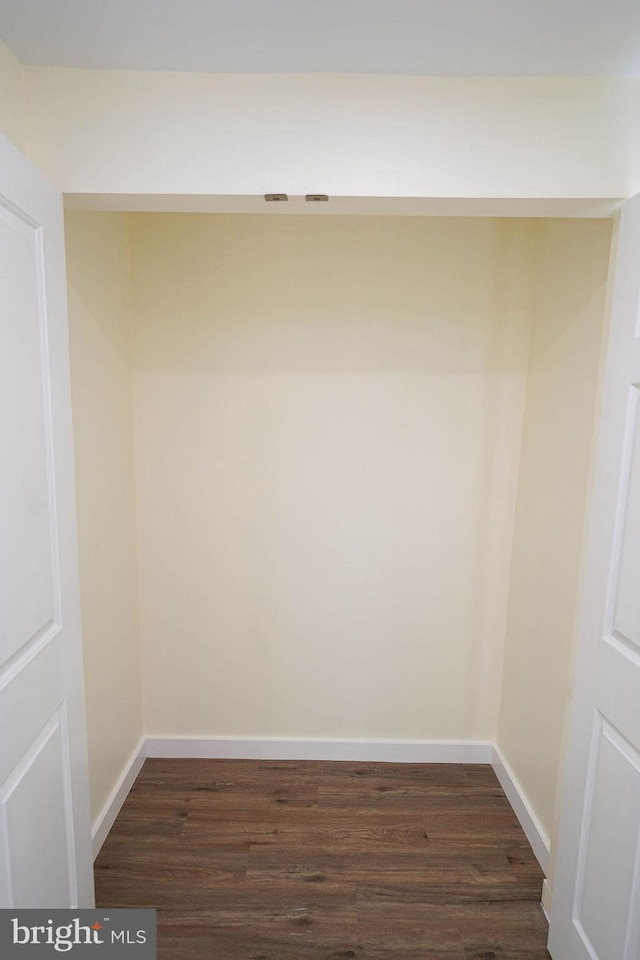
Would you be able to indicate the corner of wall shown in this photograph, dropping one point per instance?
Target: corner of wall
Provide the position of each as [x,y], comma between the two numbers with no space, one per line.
[132,311]
[519,239]
[534,239]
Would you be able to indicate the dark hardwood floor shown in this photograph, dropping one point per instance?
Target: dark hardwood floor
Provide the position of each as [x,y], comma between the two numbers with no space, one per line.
[288,860]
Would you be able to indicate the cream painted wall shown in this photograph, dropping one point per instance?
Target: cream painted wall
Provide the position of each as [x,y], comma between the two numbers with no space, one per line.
[99,280]
[12,98]
[566,350]
[329,414]
[328,419]
[125,132]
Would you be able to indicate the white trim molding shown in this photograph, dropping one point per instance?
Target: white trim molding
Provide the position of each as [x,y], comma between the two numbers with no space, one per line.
[292,748]
[284,748]
[106,818]
[547,898]
[522,808]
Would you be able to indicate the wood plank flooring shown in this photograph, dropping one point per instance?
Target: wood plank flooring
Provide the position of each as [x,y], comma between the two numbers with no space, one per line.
[288,860]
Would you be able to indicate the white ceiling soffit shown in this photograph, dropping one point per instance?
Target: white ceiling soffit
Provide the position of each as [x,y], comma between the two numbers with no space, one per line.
[536,38]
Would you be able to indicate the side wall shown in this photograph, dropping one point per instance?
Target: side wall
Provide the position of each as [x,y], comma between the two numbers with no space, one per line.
[562,386]
[99,281]
[328,420]
[13,122]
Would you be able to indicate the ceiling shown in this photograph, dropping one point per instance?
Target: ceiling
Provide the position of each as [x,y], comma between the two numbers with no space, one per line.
[537,38]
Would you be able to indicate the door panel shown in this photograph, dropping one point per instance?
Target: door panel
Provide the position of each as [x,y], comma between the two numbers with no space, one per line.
[625,617]
[30,582]
[605,909]
[45,850]
[596,898]
[35,802]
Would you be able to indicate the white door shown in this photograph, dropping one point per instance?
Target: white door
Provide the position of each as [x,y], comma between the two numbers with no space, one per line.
[596,897]
[45,848]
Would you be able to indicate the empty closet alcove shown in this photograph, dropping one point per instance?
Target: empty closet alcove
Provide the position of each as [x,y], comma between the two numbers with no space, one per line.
[332,474]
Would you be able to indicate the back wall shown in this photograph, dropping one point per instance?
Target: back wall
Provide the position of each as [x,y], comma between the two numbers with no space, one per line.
[328,419]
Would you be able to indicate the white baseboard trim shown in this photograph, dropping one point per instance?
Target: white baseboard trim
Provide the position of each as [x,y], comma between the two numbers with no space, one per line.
[521,807]
[547,897]
[105,819]
[283,748]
